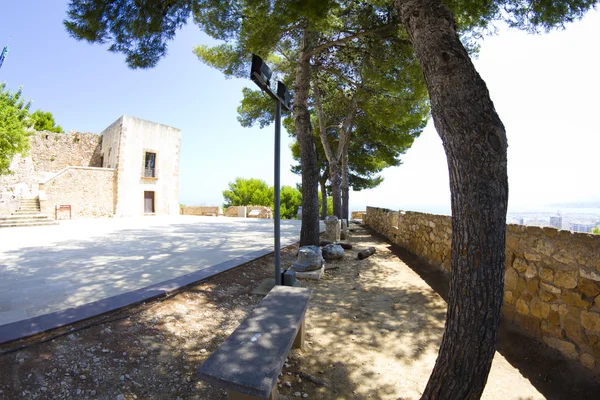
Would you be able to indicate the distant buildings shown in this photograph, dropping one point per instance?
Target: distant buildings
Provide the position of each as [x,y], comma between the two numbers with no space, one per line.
[582,227]
[556,221]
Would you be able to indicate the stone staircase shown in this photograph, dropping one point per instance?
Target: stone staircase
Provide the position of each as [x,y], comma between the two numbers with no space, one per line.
[28,214]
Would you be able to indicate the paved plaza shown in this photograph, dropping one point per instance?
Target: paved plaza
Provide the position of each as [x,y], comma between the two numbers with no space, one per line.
[53,269]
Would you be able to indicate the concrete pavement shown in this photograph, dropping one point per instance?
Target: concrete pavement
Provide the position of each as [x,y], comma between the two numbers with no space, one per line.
[52,275]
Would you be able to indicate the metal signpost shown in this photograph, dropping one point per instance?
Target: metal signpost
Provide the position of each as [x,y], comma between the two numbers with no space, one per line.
[260,74]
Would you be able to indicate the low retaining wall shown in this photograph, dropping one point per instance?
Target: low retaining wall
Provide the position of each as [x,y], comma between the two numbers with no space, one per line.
[259,212]
[201,210]
[358,214]
[89,191]
[552,277]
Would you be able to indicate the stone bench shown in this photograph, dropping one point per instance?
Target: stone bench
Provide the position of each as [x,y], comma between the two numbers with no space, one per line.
[248,363]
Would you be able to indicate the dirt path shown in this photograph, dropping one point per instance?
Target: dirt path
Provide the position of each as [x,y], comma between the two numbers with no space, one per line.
[373,326]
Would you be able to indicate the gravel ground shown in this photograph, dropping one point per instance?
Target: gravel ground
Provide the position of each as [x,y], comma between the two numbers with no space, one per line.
[373,330]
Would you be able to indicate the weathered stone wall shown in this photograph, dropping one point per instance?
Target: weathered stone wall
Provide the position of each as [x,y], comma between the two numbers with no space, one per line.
[357,214]
[552,278]
[201,210]
[49,153]
[52,152]
[264,212]
[72,187]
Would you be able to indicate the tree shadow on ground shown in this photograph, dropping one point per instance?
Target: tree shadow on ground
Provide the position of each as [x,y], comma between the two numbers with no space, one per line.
[551,374]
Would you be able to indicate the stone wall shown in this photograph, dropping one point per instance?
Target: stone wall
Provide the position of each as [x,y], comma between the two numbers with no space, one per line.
[72,187]
[49,153]
[552,277]
[201,210]
[263,212]
[52,152]
[357,214]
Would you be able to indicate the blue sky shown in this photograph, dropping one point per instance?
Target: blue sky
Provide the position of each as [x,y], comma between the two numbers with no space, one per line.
[545,89]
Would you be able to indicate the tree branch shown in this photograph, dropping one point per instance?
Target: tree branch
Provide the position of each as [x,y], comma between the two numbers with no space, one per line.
[346,39]
[345,131]
[321,118]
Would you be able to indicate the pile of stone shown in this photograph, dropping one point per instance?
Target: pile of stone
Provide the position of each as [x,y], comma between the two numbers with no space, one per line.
[311,259]
[310,263]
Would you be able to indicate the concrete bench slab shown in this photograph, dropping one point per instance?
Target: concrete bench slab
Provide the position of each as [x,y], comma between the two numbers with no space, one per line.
[248,362]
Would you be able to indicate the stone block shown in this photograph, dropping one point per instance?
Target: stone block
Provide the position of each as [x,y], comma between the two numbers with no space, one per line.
[566,279]
[332,251]
[587,360]
[573,330]
[508,297]
[588,288]
[550,288]
[574,299]
[531,272]
[563,310]
[546,296]
[554,318]
[591,321]
[546,274]
[564,257]
[591,275]
[539,309]
[522,307]
[310,258]
[521,285]
[566,348]
[520,264]
[332,228]
[511,278]
[533,286]
[597,301]
[314,275]
[552,330]
[531,256]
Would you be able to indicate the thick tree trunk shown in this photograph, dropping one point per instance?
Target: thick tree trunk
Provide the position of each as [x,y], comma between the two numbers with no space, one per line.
[336,188]
[345,184]
[475,143]
[323,198]
[309,232]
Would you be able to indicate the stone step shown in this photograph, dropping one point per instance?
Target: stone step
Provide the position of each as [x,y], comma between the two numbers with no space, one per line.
[29,208]
[23,217]
[26,212]
[14,224]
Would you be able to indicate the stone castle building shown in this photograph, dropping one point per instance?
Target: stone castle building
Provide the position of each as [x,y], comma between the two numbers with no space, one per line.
[130,169]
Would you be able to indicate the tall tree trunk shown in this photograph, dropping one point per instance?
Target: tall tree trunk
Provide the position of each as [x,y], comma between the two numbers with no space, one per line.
[309,232]
[336,188]
[474,139]
[333,159]
[345,184]
[323,197]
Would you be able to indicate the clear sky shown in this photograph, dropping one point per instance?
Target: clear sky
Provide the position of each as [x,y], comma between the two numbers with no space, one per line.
[545,87]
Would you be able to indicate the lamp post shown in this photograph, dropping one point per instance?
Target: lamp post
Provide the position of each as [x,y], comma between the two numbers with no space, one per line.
[261,74]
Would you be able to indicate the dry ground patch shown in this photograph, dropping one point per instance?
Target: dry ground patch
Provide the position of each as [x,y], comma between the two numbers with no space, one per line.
[373,330]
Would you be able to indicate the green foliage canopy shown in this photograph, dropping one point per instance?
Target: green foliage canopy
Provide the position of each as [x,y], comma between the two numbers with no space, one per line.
[14,120]
[245,192]
[141,30]
[255,192]
[44,121]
